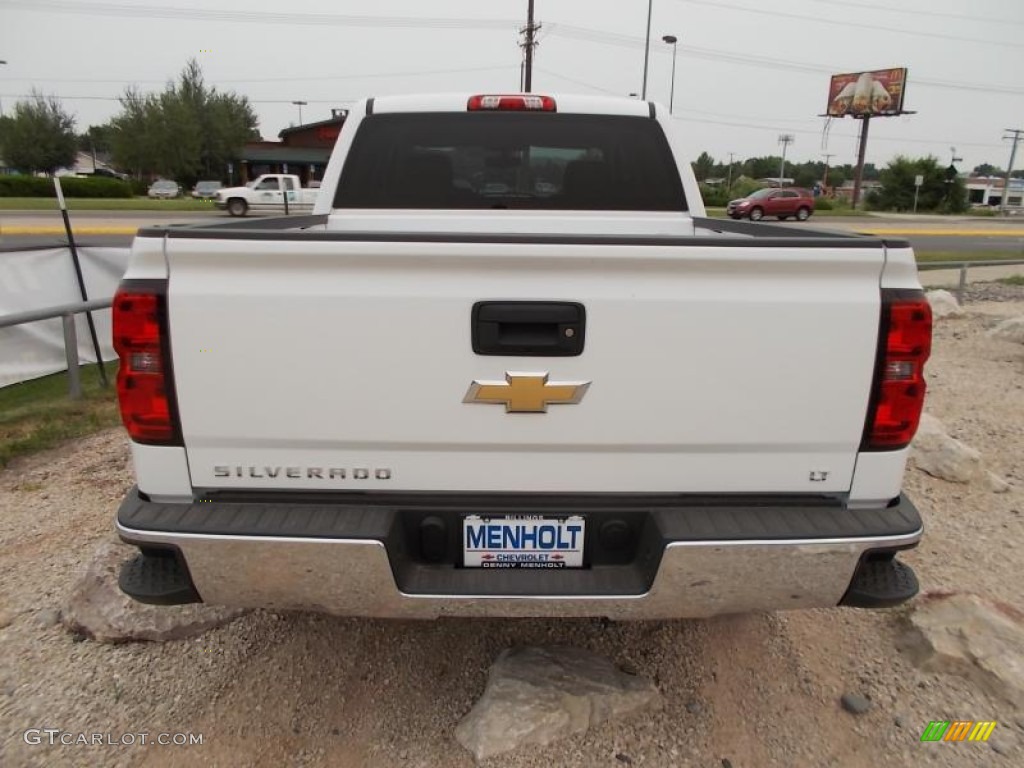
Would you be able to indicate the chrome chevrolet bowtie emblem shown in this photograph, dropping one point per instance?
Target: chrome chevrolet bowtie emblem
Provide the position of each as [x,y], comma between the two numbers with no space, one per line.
[526,392]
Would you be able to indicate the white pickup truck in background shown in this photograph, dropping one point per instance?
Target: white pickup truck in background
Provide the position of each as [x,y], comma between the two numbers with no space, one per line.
[507,367]
[267,194]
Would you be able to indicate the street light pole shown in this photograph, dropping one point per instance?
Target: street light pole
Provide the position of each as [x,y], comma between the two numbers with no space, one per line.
[828,156]
[300,105]
[647,48]
[785,140]
[673,41]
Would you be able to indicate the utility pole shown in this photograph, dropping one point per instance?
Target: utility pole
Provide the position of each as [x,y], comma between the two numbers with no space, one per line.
[1009,168]
[785,140]
[824,182]
[647,48]
[728,184]
[858,176]
[530,31]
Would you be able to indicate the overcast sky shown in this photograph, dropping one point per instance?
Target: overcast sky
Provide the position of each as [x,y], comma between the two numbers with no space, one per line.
[747,70]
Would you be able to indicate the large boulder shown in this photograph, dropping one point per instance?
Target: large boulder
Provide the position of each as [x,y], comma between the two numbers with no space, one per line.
[966,635]
[944,304]
[97,608]
[935,452]
[1009,330]
[537,695]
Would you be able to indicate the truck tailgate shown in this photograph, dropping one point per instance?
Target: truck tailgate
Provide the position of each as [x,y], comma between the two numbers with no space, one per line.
[343,364]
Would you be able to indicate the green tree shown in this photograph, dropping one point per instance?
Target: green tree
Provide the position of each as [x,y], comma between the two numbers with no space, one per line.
[763,167]
[703,166]
[96,138]
[39,136]
[837,175]
[804,174]
[937,193]
[987,169]
[188,131]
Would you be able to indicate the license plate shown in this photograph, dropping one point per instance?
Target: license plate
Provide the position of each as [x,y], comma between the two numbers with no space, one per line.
[522,542]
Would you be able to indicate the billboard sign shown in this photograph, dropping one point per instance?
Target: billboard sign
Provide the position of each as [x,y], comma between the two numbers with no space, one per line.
[877,93]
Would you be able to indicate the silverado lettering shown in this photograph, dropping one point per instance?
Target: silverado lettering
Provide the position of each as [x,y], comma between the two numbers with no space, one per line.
[320,473]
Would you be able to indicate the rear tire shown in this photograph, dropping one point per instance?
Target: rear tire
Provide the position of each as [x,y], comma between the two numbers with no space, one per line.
[803,214]
[237,206]
[756,214]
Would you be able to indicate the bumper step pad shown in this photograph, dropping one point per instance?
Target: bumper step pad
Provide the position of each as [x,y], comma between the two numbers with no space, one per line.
[157,580]
[881,584]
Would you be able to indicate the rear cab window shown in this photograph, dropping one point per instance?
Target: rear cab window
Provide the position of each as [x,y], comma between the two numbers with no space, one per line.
[510,160]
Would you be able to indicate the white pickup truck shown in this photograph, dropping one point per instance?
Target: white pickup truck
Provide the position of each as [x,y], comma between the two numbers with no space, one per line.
[507,367]
[269,193]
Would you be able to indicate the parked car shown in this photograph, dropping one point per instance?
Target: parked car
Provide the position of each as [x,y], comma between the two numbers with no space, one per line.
[782,203]
[108,173]
[266,194]
[165,189]
[206,190]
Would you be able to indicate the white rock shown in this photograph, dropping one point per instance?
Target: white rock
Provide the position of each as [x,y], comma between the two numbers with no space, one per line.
[944,304]
[942,456]
[995,483]
[98,608]
[537,695]
[1009,330]
[969,636]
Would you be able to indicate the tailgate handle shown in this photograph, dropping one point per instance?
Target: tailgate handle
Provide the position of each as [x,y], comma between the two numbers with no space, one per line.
[529,328]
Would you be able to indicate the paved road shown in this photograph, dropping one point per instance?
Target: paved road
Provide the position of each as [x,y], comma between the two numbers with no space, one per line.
[954,234]
[107,228]
[926,233]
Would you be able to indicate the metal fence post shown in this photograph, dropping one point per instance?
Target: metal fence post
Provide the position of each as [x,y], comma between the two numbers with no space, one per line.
[963,283]
[71,352]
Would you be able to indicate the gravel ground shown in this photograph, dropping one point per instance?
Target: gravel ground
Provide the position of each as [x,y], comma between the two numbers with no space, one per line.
[301,689]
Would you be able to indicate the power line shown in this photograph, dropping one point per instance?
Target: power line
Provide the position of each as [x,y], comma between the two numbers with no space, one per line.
[916,13]
[255,17]
[566,30]
[220,81]
[738,120]
[772,127]
[578,82]
[847,24]
[613,38]
[66,97]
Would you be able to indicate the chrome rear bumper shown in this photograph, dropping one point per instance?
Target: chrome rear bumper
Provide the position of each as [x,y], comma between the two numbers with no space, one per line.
[691,573]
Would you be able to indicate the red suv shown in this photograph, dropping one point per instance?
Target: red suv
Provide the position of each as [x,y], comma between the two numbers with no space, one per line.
[782,203]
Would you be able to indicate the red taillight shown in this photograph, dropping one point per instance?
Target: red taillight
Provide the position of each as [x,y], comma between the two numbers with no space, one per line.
[511,103]
[142,385]
[899,382]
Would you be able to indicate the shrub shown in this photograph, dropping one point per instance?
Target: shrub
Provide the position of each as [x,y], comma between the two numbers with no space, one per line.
[95,187]
[714,197]
[823,204]
[38,186]
[139,186]
[26,186]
